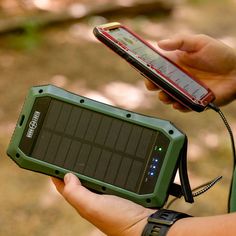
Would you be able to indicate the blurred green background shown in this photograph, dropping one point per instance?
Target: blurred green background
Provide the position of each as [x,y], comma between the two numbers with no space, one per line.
[51,42]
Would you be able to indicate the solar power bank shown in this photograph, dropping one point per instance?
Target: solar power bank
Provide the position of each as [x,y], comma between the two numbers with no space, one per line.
[111,150]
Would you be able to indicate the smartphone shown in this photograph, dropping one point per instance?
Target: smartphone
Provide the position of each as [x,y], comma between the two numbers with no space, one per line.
[176,82]
[111,150]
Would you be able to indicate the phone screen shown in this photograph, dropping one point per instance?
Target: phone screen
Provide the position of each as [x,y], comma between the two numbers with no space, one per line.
[164,67]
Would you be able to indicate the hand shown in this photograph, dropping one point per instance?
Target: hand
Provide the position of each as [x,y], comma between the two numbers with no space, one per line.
[208,60]
[112,215]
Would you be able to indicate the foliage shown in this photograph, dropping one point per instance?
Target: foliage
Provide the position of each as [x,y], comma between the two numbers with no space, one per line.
[28,39]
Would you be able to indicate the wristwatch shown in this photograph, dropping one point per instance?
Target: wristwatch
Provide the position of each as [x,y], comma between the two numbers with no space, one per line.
[160,222]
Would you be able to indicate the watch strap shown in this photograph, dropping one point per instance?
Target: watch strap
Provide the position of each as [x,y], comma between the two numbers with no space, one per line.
[160,222]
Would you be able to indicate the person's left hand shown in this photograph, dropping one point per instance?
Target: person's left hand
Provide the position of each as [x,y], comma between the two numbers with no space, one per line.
[113,215]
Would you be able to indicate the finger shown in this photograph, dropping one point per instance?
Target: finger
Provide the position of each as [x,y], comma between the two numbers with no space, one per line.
[180,107]
[59,184]
[165,98]
[150,86]
[187,43]
[78,196]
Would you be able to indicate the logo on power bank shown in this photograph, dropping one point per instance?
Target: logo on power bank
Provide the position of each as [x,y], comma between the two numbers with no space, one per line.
[33,124]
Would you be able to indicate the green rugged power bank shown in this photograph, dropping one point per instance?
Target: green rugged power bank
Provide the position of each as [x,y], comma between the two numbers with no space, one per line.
[111,150]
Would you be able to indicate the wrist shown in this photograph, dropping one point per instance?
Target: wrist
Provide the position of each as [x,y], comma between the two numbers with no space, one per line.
[137,228]
[179,227]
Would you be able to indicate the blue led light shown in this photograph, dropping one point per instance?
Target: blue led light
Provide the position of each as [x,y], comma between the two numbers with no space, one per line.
[155,160]
[151,173]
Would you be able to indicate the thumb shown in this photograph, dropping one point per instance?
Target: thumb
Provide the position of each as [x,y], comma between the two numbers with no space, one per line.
[187,43]
[78,196]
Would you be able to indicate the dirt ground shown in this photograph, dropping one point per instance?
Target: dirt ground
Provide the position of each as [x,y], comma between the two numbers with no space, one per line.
[70,57]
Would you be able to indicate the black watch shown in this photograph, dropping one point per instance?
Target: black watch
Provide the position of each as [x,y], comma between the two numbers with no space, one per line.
[160,222]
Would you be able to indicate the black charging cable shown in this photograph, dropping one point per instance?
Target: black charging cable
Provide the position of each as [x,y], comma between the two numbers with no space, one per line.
[217,109]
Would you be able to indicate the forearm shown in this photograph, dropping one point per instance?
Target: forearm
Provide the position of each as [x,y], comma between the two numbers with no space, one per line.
[204,226]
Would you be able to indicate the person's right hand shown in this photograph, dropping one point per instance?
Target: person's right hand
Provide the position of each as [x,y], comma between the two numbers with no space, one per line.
[206,59]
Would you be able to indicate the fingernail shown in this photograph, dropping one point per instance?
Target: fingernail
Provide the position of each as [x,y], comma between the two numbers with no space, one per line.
[67,178]
[164,41]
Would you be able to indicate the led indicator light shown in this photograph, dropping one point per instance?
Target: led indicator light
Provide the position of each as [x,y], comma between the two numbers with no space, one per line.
[151,173]
[156,148]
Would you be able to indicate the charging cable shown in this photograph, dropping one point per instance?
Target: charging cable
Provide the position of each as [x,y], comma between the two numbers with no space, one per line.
[217,109]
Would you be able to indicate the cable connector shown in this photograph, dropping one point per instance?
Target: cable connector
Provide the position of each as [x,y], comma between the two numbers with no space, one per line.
[214,107]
